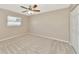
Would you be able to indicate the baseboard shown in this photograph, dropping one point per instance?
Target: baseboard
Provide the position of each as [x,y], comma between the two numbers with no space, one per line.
[35,35]
[49,37]
[16,35]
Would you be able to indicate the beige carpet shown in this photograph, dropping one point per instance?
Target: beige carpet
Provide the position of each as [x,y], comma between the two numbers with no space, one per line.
[29,44]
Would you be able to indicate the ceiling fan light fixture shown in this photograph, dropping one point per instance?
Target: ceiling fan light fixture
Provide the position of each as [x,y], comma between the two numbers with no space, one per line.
[30,9]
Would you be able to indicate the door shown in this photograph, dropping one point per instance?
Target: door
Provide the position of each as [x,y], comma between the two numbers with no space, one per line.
[74,29]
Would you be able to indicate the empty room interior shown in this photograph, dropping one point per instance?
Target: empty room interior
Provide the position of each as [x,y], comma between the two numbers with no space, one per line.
[39,28]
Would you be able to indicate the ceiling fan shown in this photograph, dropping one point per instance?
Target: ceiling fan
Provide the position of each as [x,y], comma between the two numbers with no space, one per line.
[30,8]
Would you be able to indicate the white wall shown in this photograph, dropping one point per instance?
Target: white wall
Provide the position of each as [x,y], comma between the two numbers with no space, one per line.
[5,31]
[54,24]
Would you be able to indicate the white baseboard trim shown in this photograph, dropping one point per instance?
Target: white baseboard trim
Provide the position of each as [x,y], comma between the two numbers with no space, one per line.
[49,37]
[16,35]
[35,35]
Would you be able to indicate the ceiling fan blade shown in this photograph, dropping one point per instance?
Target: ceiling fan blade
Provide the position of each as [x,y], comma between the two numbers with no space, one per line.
[36,10]
[35,6]
[23,7]
[24,11]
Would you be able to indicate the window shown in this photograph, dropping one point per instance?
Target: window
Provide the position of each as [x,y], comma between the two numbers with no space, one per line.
[13,21]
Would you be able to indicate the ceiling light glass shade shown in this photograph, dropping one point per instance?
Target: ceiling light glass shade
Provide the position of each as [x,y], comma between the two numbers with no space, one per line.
[29,13]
